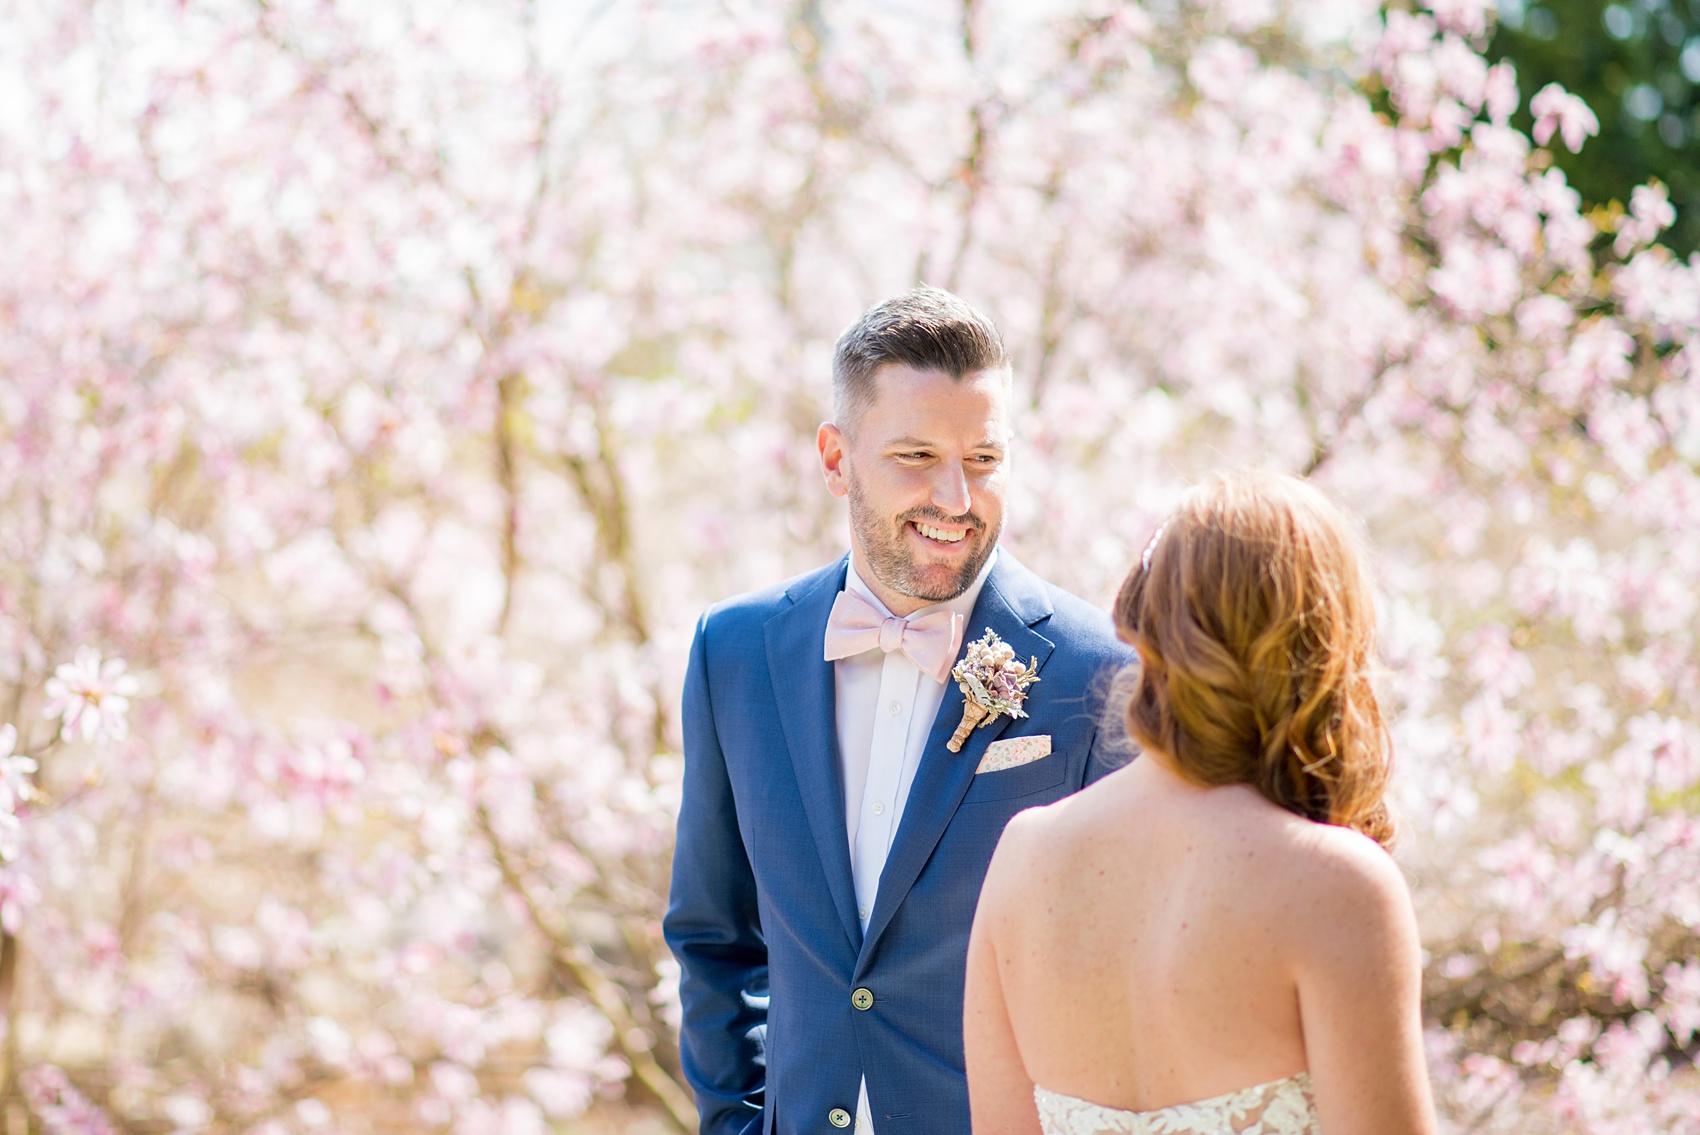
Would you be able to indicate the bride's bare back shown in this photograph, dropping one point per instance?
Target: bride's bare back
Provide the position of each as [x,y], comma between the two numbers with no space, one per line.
[1154,942]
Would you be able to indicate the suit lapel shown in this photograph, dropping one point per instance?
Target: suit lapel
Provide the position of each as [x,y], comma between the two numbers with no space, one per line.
[804,690]
[1012,600]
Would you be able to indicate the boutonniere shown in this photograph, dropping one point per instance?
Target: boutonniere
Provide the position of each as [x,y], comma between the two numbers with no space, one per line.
[994,682]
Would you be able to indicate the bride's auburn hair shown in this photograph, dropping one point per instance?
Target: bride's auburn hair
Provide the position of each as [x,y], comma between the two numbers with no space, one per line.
[1253,618]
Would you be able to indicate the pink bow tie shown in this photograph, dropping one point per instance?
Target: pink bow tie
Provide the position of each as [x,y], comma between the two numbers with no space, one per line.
[930,641]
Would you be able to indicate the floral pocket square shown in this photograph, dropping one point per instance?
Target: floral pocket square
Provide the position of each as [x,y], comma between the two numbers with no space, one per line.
[1014,751]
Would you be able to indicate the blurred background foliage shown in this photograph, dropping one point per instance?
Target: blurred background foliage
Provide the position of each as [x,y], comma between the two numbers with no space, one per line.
[1637,65]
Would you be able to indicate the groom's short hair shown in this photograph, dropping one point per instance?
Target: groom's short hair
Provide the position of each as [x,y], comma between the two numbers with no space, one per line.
[926,328]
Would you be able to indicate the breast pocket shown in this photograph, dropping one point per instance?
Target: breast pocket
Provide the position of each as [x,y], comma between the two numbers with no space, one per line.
[1029,779]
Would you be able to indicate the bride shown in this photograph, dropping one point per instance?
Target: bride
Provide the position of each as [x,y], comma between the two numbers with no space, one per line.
[1214,940]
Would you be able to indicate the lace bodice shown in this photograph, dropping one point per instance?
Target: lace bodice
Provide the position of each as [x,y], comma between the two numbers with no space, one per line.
[1281,1107]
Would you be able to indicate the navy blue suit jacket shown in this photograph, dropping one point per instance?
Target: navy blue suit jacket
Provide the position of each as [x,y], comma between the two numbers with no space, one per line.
[762,912]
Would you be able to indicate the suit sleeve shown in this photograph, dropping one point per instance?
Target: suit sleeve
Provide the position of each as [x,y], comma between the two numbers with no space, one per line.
[713,927]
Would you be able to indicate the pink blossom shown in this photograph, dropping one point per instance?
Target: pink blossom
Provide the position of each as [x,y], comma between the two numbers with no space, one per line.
[1406,33]
[62,1109]
[1682,1000]
[91,697]
[1466,17]
[19,895]
[1660,291]
[1477,280]
[16,771]
[1544,317]
[1557,110]
[1650,213]
[1598,357]
[1500,96]
[1462,72]
[1219,68]
[561,1094]
[453,1082]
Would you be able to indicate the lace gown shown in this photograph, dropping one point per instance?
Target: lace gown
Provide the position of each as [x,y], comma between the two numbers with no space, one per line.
[1281,1107]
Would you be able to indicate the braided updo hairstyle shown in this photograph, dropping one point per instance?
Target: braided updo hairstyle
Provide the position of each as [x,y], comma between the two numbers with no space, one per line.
[1255,628]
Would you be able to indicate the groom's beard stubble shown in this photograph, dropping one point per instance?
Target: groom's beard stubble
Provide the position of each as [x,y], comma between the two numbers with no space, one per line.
[892,564]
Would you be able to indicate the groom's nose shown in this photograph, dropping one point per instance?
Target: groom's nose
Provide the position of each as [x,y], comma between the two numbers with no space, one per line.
[950,489]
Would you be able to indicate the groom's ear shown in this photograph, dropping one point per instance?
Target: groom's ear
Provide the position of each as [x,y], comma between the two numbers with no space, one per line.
[830,442]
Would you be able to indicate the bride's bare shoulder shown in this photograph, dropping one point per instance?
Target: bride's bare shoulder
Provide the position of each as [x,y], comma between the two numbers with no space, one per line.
[1335,856]
[1077,814]
[1037,845]
[1339,886]
[1048,843]
[1027,831]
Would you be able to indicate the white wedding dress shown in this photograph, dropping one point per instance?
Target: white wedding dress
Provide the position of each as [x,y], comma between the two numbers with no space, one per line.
[1280,1107]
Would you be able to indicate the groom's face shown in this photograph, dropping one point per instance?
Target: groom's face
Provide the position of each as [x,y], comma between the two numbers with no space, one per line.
[924,468]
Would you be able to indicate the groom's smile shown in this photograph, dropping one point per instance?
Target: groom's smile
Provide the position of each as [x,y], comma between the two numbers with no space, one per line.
[940,535]
[923,463]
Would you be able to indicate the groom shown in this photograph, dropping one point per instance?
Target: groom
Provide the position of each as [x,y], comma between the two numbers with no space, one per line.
[831,845]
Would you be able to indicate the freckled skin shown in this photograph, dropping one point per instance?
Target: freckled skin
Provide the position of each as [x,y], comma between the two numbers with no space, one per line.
[1195,941]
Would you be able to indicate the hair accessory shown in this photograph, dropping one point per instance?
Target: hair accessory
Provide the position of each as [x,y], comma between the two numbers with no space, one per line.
[1145,557]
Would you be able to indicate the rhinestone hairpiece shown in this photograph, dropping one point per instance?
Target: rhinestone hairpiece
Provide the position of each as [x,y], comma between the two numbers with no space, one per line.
[1145,557]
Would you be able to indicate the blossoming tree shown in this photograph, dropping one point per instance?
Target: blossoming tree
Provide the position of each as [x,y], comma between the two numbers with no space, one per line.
[385,387]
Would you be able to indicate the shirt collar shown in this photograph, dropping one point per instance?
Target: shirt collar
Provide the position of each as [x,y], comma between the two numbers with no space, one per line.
[963,604]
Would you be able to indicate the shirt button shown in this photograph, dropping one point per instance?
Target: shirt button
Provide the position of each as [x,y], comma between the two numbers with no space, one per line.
[838,1117]
[862,913]
[863,999]
[894,708]
[879,809]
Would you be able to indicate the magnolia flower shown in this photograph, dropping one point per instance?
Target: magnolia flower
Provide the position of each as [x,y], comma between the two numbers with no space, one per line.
[60,1105]
[1556,109]
[1650,213]
[18,896]
[15,787]
[91,697]
[15,770]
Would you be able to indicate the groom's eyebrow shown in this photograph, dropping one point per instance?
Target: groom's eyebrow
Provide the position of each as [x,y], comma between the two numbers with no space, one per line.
[920,443]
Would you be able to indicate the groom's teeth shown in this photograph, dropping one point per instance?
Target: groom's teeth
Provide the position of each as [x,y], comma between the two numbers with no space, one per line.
[939,534]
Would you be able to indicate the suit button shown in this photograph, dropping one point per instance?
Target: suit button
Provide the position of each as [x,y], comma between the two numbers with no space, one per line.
[863,999]
[838,1117]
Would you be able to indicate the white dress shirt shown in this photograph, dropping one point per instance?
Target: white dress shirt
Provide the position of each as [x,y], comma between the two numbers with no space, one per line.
[886,707]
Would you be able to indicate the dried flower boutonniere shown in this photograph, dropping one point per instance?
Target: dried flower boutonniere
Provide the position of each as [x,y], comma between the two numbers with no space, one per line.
[993,681]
